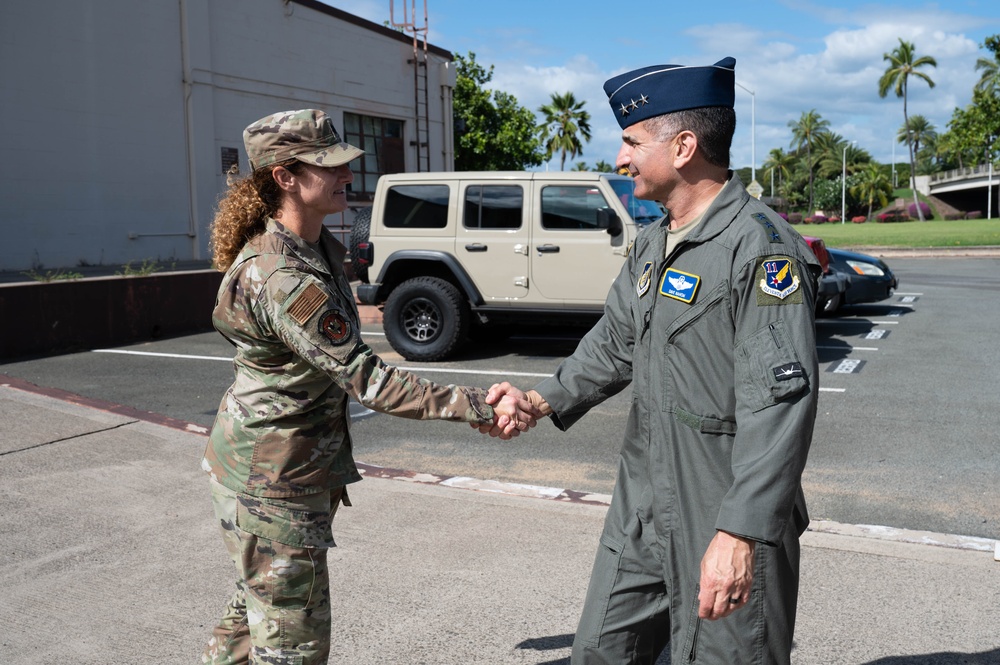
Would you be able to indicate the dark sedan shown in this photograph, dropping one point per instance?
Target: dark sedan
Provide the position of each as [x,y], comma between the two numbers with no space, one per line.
[871,280]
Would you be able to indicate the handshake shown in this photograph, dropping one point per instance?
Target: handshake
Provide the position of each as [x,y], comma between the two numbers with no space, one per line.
[514,411]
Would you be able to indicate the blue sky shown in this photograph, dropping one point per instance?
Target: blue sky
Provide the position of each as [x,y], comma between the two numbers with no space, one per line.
[795,55]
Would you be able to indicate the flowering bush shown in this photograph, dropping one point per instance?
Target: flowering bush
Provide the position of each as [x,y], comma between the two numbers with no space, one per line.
[795,218]
[892,216]
[816,219]
[974,214]
[860,219]
[924,208]
[783,215]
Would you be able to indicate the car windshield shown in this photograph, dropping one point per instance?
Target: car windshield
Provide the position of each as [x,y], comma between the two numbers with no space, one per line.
[641,212]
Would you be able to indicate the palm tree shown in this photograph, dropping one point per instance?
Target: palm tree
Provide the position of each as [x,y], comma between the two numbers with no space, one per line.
[921,131]
[603,167]
[873,185]
[580,166]
[989,80]
[779,162]
[564,120]
[804,132]
[826,153]
[903,64]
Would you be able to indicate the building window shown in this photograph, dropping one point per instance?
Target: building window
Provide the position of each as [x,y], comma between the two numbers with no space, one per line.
[382,141]
[493,206]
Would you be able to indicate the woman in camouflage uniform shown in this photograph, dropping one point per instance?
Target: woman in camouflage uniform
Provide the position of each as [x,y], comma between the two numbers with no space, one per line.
[280,452]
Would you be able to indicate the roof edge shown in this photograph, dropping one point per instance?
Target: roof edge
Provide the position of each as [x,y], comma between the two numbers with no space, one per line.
[370,25]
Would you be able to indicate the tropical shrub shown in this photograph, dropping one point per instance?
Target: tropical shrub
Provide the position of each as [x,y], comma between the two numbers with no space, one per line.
[892,216]
[860,219]
[974,214]
[924,208]
[795,217]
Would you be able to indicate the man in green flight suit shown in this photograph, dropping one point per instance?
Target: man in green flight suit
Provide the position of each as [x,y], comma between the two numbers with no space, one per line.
[711,321]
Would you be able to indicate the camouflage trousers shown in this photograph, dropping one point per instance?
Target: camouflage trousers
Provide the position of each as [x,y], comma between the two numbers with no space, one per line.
[280,613]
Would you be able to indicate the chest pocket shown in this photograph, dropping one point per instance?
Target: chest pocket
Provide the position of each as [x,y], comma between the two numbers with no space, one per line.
[768,369]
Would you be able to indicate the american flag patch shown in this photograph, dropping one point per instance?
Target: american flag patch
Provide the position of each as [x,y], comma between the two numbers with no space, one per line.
[306,304]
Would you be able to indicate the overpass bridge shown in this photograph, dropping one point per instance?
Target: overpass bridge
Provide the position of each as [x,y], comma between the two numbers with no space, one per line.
[968,189]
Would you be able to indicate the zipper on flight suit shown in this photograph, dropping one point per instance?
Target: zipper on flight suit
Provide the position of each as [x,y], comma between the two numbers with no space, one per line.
[774,335]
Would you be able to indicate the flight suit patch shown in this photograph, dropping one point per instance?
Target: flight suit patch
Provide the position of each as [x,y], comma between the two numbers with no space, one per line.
[769,228]
[679,285]
[335,327]
[306,304]
[645,279]
[778,284]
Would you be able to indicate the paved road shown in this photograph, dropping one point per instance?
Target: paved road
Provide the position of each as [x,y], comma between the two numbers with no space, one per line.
[906,435]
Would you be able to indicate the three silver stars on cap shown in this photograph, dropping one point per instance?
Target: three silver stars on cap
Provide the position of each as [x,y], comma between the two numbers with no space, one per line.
[633,105]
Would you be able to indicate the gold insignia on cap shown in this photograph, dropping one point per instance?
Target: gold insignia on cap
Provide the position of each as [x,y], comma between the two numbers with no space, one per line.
[306,304]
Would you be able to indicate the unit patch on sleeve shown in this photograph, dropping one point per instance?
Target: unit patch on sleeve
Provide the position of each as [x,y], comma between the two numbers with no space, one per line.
[335,327]
[769,228]
[788,372]
[644,279]
[306,304]
[679,285]
[778,283]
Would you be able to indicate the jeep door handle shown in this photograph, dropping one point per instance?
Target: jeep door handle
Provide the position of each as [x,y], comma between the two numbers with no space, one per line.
[548,249]
[476,247]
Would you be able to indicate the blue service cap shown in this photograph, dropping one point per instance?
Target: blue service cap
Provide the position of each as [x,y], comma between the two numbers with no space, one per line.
[652,91]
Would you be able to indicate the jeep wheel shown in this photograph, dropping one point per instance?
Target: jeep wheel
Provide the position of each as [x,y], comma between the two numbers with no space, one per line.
[425,318]
[359,234]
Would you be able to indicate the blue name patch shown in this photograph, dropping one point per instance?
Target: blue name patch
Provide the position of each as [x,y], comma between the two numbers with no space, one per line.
[679,285]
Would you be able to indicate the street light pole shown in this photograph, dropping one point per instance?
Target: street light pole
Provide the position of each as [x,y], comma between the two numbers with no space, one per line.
[753,132]
[843,183]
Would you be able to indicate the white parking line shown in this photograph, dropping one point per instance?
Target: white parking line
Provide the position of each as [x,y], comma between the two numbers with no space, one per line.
[852,348]
[421,370]
[866,321]
[162,355]
[898,293]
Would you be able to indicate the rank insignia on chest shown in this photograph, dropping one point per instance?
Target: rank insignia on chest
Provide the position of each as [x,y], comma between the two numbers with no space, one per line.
[679,285]
[644,279]
[778,281]
[335,327]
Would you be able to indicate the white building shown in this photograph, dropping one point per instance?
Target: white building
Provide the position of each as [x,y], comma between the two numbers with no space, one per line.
[122,116]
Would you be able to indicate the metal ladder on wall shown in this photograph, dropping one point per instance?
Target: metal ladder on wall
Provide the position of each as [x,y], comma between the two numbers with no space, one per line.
[421,101]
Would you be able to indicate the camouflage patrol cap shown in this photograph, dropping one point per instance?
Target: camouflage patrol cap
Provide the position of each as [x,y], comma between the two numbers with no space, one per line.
[307,135]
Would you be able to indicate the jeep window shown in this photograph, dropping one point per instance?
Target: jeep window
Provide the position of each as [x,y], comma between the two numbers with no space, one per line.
[382,141]
[493,206]
[571,207]
[641,212]
[417,207]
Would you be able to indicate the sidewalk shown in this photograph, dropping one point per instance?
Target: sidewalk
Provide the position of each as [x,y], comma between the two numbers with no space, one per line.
[112,555]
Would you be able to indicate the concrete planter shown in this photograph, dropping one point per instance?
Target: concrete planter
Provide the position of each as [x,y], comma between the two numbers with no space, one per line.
[58,317]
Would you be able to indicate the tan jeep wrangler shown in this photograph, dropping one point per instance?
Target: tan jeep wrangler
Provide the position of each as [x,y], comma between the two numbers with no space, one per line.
[449,255]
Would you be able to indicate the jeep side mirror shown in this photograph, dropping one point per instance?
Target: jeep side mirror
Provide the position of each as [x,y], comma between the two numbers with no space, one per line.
[608,220]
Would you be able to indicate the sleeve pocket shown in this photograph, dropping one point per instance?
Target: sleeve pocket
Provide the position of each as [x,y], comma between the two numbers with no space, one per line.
[768,369]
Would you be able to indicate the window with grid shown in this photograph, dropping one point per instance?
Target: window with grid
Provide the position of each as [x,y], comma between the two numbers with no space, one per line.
[382,141]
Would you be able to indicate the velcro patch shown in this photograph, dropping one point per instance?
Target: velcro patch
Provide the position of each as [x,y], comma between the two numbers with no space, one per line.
[644,279]
[788,371]
[777,282]
[335,327]
[679,285]
[769,228]
[306,304]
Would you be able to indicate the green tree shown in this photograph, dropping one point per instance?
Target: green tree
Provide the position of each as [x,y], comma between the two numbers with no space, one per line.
[989,80]
[921,132]
[974,131]
[903,64]
[603,167]
[779,163]
[580,166]
[565,122]
[492,131]
[871,185]
[804,133]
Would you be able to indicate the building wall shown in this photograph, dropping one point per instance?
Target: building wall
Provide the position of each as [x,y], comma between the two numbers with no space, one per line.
[118,113]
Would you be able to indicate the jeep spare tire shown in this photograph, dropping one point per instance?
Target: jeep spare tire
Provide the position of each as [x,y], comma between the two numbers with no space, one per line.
[359,234]
[425,318]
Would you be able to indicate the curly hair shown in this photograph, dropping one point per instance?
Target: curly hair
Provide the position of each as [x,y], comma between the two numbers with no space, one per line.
[243,211]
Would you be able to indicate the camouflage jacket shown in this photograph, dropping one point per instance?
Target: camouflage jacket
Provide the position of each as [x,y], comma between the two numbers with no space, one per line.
[282,427]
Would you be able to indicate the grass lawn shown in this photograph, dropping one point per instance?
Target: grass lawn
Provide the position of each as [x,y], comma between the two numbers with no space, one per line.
[934,233]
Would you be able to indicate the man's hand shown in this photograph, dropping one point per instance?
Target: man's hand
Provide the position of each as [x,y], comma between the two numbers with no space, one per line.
[726,576]
[514,411]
